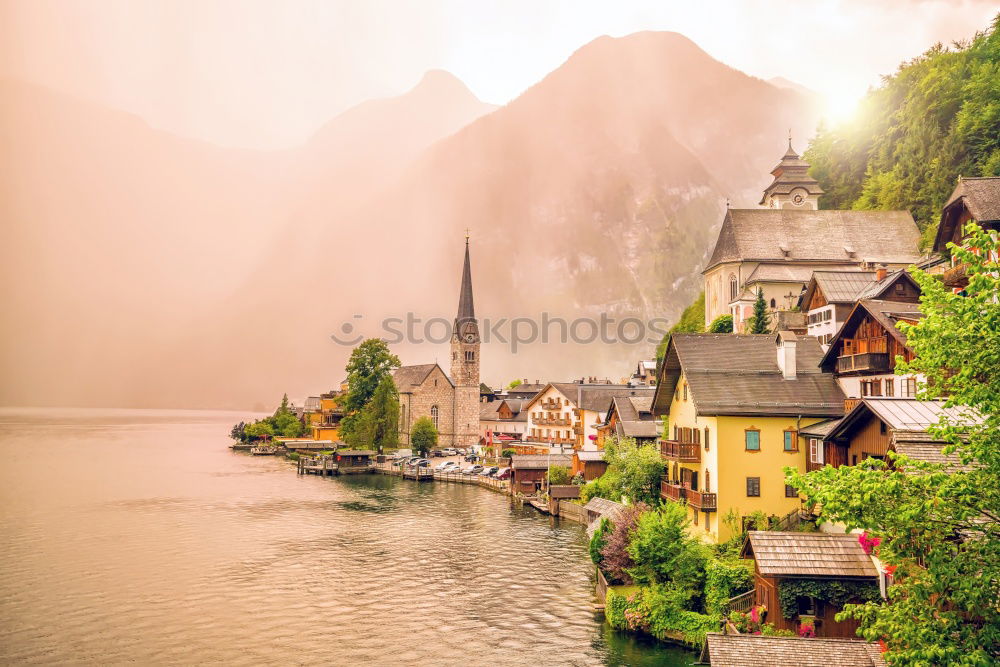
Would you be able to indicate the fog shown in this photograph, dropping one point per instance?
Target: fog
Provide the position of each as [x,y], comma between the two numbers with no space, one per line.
[195,196]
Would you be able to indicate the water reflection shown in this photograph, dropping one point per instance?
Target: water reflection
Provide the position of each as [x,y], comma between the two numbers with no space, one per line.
[143,539]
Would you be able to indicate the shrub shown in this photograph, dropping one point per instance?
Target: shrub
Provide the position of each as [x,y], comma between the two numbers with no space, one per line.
[507,453]
[664,552]
[615,604]
[616,559]
[726,577]
[559,475]
[721,324]
[598,540]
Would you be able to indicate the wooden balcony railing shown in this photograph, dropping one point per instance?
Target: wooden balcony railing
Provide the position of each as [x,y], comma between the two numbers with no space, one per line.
[956,276]
[877,362]
[702,501]
[670,491]
[682,452]
[742,603]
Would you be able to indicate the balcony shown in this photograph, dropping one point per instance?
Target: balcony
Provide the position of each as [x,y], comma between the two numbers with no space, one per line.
[550,404]
[702,501]
[670,491]
[681,452]
[956,276]
[552,422]
[870,362]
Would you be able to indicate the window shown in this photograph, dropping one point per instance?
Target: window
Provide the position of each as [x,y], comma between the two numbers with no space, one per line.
[752,440]
[881,427]
[685,391]
[791,441]
[708,482]
[899,288]
[434,415]
[773,303]
[827,315]
[402,414]
[753,487]
[816,451]
[790,491]
[470,355]
[733,287]
[890,387]
[706,442]
[908,387]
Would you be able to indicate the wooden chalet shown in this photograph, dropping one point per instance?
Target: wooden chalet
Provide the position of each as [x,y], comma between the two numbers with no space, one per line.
[785,556]
[760,651]
[631,417]
[863,352]
[877,425]
[973,200]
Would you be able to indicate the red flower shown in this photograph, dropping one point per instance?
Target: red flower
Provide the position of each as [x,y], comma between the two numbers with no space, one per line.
[890,570]
[882,646]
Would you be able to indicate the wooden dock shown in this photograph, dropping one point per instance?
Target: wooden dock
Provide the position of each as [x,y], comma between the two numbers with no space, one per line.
[317,465]
[419,474]
[264,450]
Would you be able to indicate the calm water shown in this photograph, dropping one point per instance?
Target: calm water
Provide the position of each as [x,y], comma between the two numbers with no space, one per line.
[137,536]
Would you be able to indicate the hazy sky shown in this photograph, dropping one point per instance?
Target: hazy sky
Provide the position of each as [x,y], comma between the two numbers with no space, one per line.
[267,73]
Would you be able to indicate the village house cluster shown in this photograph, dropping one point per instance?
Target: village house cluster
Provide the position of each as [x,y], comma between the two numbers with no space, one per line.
[728,412]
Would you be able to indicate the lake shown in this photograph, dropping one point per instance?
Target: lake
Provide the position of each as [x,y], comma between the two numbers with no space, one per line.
[138,536]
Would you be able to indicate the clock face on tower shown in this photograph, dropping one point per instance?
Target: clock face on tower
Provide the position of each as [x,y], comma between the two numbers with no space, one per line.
[470,337]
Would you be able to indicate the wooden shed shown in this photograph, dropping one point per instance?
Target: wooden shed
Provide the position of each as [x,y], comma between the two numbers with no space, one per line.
[589,462]
[782,557]
[354,460]
[528,472]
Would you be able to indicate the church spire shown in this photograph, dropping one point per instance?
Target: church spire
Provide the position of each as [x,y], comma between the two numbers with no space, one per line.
[466,309]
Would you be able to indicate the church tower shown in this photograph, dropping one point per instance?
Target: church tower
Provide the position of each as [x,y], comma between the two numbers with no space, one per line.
[465,361]
[793,187]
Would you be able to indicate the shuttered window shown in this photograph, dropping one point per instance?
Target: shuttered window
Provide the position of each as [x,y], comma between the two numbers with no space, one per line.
[753,440]
[753,487]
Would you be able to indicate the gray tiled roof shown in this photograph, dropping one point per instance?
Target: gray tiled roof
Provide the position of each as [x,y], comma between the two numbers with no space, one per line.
[784,554]
[590,454]
[828,236]
[761,651]
[843,286]
[819,429]
[778,273]
[597,397]
[738,374]
[639,429]
[406,377]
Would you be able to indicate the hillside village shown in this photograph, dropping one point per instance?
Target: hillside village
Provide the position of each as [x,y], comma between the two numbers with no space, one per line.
[798,373]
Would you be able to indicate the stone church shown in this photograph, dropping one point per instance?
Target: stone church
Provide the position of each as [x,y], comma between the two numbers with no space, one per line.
[451,401]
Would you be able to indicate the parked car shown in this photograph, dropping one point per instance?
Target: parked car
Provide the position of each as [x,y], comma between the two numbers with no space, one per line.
[436,453]
[462,451]
[450,451]
[422,463]
[503,473]
[471,458]
[412,460]
[446,466]
[472,470]
[489,471]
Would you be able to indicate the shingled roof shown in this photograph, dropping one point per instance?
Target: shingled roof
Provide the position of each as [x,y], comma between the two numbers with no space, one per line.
[593,397]
[534,461]
[834,237]
[981,196]
[812,555]
[738,374]
[761,651]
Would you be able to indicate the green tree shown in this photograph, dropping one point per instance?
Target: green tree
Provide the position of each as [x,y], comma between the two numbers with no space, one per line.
[721,324]
[939,527]
[424,436]
[634,472]
[692,320]
[260,430]
[559,475]
[598,540]
[370,362]
[382,415]
[514,383]
[664,552]
[760,321]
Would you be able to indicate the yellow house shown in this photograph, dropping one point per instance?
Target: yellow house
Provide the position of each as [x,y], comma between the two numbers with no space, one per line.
[325,420]
[734,405]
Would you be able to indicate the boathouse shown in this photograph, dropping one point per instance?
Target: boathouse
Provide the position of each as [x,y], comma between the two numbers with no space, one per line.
[761,651]
[528,472]
[805,564]
[354,460]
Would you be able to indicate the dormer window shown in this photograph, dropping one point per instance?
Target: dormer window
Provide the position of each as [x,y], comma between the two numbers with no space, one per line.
[785,252]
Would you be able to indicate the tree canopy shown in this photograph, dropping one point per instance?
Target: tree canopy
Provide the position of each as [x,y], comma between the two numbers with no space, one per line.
[721,324]
[424,435]
[692,320]
[370,362]
[932,121]
[760,321]
[634,473]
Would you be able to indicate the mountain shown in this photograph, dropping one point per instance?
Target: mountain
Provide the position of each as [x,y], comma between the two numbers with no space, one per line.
[120,239]
[598,190]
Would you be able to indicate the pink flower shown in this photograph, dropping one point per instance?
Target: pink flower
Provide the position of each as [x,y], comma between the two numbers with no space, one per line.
[807,630]
[755,615]
[868,543]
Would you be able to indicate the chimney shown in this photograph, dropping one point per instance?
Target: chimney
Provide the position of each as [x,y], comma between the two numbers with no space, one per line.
[785,341]
[881,272]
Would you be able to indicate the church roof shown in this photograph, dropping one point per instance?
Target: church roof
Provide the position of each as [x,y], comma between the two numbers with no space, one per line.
[407,377]
[825,236]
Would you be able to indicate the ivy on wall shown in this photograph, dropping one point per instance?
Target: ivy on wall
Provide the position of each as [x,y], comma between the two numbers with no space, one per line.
[831,591]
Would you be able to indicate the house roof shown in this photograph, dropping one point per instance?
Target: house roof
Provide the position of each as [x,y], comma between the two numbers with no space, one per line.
[794,554]
[761,651]
[819,429]
[604,507]
[837,286]
[738,374]
[886,313]
[355,452]
[931,452]
[564,491]
[828,236]
[536,461]
[981,196]
[910,414]
[407,377]
[593,397]
[590,454]
[638,429]
[778,273]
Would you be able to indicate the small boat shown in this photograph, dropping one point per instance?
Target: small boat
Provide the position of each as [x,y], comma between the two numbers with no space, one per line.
[264,450]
